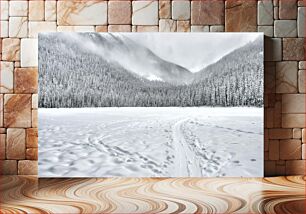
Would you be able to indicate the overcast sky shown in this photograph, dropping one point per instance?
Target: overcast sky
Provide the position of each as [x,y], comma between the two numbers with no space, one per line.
[193,51]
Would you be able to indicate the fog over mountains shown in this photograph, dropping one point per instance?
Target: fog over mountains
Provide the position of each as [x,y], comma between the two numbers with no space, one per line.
[97,70]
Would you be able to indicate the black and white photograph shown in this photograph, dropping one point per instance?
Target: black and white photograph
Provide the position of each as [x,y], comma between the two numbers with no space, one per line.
[150,104]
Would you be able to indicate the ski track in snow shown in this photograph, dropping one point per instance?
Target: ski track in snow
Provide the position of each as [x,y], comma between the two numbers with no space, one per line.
[150,142]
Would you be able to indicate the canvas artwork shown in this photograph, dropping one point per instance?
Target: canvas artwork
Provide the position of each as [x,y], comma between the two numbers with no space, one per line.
[150,104]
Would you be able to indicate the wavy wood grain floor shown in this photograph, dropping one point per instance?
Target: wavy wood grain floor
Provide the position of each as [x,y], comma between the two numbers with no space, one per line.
[135,195]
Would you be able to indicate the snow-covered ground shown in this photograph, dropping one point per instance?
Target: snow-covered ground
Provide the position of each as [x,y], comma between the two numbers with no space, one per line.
[151,142]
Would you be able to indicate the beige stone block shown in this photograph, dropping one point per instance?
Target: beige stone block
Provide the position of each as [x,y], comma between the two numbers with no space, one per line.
[91,12]
[273,49]
[11,49]
[267,30]
[34,118]
[275,13]
[2,146]
[304,151]
[32,138]
[304,135]
[301,21]
[302,65]
[285,28]
[286,77]
[183,26]
[290,149]
[34,101]
[293,49]
[6,77]
[199,28]
[18,27]
[4,29]
[101,28]
[145,13]
[119,28]
[32,154]
[8,167]
[167,25]
[50,10]
[1,111]
[29,53]
[39,27]
[15,144]
[2,130]
[75,29]
[287,9]
[4,10]
[265,12]
[274,150]
[280,133]
[293,103]
[36,10]
[27,167]
[119,12]
[297,133]
[25,80]
[164,9]
[301,83]
[216,28]
[18,8]
[293,120]
[180,10]
[295,167]
[17,110]
[277,114]
[147,28]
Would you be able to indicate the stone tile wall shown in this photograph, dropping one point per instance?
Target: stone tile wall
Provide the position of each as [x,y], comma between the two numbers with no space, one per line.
[282,21]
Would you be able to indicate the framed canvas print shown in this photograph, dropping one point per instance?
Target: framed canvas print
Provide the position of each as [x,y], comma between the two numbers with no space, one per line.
[150,104]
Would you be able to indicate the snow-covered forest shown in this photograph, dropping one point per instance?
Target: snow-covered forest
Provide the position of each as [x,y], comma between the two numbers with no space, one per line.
[86,72]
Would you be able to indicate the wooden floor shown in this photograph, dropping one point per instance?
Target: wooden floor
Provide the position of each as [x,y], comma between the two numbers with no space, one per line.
[117,195]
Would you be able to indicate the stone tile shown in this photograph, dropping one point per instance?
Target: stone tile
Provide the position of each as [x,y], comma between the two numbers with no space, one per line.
[26,80]
[34,101]
[101,28]
[269,77]
[293,120]
[285,28]
[217,28]
[4,29]
[6,77]
[277,134]
[290,149]
[2,146]
[301,81]
[240,16]
[164,9]
[36,10]
[302,65]
[297,133]
[76,12]
[15,144]
[274,150]
[293,103]
[4,10]
[11,49]
[280,170]
[27,167]
[32,138]
[275,13]
[32,154]
[270,168]
[35,118]
[200,28]
[277,114]
[207,12]
[2,130]
[18,27]
[18,8]
[269,118]
[295,167]
[50,10]
[287,9]
[75,29]
[167,25]
[293,49]
[147,28]
[29,53]
[303,151]
[301,21]
[267,30]
[304,135]
[38,27]
[183,26]
[17,64]
[119,12]
[265,12]
[17,110]
[301,3]
[119,28]
[180,10]
[286,77]
[145,13]
[8,167]
[1,111]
